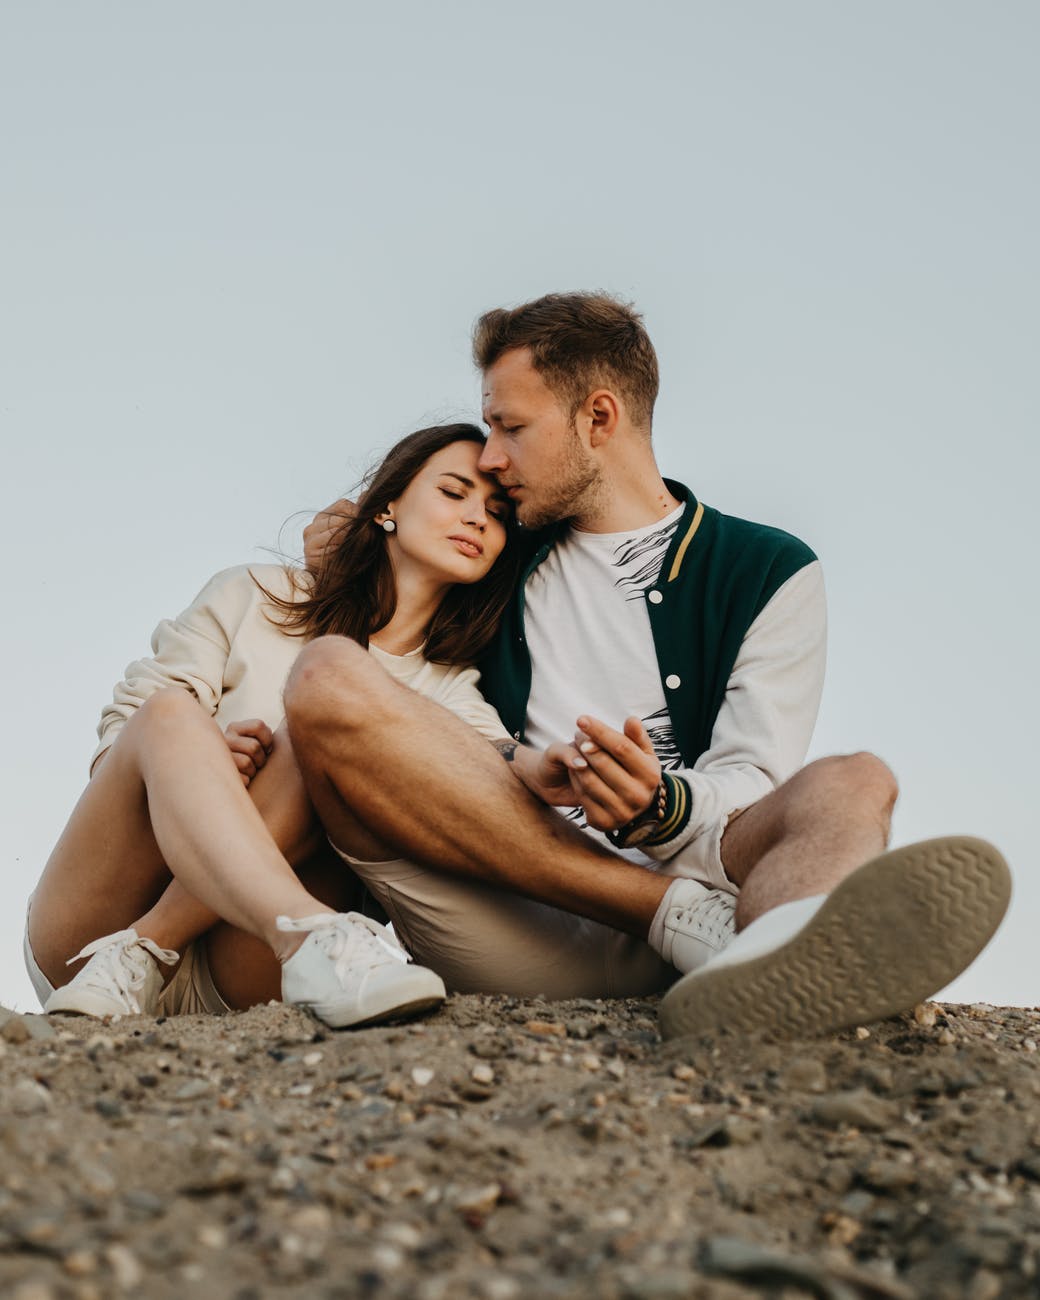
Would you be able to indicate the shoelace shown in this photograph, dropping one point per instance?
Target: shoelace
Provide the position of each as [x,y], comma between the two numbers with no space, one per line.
[123,962]
[349,939]
[714,914]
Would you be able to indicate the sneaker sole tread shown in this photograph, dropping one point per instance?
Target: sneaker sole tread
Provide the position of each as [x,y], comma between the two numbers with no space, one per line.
[874,930]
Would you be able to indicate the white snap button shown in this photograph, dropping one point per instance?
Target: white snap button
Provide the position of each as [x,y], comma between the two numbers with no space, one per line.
[671,681]
[655,597]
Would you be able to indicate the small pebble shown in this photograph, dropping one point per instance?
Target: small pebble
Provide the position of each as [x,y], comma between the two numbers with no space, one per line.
[26,1098]
[482,1074]
[126,1267]
[546,1028]
[478,1200]
[80,1263]
[15,1030]
[856,1107]
[311,1220]
[421,1076]
[193,1090]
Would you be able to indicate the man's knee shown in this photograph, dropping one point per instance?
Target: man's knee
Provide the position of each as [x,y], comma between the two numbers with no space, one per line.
[333,681]
[855,782]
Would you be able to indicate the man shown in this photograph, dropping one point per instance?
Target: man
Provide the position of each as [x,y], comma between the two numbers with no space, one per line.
[660,673]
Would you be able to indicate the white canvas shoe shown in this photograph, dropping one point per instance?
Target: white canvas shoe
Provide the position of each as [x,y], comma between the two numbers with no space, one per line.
[120,979]
[892,934]
[697,924]
[350,970]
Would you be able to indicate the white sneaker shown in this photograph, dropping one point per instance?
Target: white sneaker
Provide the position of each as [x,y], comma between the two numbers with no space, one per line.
[350,970]
[120,979]
[892,934]
[698,923]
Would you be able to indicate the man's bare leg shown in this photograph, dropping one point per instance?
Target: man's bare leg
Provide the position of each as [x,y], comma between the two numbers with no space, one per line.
[386,767]
[805,837]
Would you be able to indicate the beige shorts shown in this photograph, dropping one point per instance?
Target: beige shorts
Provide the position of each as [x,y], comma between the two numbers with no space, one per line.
[484,940]
[191,992]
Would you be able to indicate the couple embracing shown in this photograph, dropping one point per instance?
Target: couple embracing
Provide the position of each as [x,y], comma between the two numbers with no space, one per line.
[547,708]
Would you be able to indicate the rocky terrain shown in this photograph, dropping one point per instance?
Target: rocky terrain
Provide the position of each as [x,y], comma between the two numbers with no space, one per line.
[506,1148]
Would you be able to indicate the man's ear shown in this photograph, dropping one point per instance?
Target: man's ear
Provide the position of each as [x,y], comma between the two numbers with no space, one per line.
[603,411]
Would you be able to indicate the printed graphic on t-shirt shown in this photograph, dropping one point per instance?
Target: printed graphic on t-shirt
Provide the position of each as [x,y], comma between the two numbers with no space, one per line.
[639,561]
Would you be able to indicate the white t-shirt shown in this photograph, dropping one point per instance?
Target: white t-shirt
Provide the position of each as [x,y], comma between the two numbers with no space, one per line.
[592,651]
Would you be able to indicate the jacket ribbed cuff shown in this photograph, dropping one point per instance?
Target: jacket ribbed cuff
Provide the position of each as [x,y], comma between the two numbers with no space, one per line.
[678,809]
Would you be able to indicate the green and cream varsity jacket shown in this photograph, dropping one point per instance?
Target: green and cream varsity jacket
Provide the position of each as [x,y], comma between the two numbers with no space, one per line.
[738,620]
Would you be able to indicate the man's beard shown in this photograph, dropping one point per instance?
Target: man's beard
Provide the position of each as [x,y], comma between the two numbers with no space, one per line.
[577,485]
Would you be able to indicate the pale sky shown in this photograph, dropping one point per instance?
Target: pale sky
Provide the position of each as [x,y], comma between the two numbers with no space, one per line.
[242,246]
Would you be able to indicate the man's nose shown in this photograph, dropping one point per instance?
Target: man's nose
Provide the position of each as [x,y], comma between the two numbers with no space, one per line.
[493,459]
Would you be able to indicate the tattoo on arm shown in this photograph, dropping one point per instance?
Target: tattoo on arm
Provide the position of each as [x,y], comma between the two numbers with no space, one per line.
[507,748]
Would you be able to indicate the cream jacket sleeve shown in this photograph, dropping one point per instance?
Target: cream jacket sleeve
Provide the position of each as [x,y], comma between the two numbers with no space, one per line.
[223,649]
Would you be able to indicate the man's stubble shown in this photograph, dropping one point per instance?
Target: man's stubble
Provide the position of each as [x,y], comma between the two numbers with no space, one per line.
[577,489]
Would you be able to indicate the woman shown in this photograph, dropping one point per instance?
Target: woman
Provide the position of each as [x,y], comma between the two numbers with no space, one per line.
[419,576]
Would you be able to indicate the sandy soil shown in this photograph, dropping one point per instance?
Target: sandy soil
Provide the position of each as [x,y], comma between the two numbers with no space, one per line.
[506,1148]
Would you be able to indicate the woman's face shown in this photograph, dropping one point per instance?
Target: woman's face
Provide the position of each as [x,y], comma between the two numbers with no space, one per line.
[451,518]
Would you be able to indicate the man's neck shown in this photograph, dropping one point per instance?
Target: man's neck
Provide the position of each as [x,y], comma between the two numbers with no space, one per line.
[627,502]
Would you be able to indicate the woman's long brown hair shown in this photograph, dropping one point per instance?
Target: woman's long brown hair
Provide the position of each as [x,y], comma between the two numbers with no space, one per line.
[354,593]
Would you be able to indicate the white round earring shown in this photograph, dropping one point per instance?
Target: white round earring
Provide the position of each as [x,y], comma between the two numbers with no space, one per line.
[389,526]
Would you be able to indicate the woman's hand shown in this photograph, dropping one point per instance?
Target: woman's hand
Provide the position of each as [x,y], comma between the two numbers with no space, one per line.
[323,528]
[250,743]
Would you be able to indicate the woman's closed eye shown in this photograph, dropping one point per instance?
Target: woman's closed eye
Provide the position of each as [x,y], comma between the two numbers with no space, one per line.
[494,508]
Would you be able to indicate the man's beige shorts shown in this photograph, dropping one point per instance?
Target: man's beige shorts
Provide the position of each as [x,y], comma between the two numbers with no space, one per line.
[484,940]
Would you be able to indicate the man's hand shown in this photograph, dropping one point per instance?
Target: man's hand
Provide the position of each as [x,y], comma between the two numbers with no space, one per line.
[621,772]
[250,743]
[323,528]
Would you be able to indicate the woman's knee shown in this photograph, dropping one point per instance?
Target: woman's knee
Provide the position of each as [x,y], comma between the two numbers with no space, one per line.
[164,710]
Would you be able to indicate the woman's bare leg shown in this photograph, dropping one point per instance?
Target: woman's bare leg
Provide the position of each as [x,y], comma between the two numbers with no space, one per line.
[280,797]
[167,793]
[244,970]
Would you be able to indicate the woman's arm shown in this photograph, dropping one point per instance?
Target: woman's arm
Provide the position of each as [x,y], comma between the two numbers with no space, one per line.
[190,652]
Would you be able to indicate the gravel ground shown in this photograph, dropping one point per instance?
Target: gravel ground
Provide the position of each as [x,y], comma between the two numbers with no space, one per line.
[506,1148]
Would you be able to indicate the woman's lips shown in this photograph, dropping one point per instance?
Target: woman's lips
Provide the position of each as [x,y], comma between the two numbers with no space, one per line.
[467,546]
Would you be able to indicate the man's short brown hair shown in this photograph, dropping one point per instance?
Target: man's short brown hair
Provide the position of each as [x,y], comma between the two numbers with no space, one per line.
[579,342]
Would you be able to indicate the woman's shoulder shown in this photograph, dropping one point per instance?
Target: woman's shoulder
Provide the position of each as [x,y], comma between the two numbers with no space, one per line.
[253,580]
